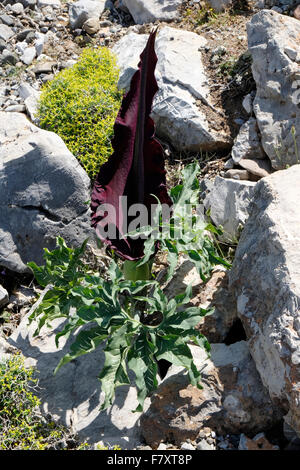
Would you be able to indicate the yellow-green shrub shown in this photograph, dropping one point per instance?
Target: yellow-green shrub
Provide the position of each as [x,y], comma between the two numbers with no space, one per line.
[81,103]
[21,426]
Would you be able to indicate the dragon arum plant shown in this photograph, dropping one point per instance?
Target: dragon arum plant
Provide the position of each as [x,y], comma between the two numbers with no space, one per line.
[125,312]
[137,329]
[132,320]
[135,171]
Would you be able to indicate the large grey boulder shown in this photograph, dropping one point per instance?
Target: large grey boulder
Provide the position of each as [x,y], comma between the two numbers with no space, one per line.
[181,108]
[43,193]
[73,396]
[232,400]
[266,280]
[228,201]
[147,11]
[274,44]
[82,10]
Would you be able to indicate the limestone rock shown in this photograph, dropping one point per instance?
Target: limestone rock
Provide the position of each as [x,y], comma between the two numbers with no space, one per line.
[31,98]
[247,143]
[6,349]
[8,57]
[257,167]
[277,3]
[43,191]
[5,32]
[17,8]
[73,396]
[203,445]
[266,282]
[232,400]
[39,43]
[147,11]
[28,3]
[82,10]
[259,442]
[228,201]
[220,5]
[238,174]
[44,67]
[15,108]
[297,12]
[248,103]
[3,297]
[214,294]
[181,109]
[275,48]
[91,26]
[28,55]
[51,3]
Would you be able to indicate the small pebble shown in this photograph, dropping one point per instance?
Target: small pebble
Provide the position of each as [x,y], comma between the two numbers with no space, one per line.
[187,446]
[203,445]
[162,446]
[16,108]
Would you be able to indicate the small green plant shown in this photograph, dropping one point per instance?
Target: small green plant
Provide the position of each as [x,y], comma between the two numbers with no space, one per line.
[81,105]
[282,158]
[206,15]
[21,426]
[228,67]
[108,447]
[293,132]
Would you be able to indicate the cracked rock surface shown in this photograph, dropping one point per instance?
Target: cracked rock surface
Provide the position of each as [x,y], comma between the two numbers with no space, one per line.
[43,191]
[232,398]
[274,45]
[145,11]
[266,282]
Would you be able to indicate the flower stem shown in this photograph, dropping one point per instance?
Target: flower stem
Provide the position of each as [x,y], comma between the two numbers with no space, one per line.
[134,273]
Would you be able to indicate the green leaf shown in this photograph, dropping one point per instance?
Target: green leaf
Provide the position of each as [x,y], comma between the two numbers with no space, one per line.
[86,341]
[102,313]
[184,298]
[173,349]
[41,274]
[143,364]
[183,320]
[114,372]
[199,263]
[187,193]
[172,258]
[199,339]
[149,251]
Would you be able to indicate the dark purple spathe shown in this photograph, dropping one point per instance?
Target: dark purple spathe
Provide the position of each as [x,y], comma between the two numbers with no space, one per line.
[136,167]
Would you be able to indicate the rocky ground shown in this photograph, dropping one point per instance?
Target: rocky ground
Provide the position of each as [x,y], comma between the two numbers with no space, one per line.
[227,82]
